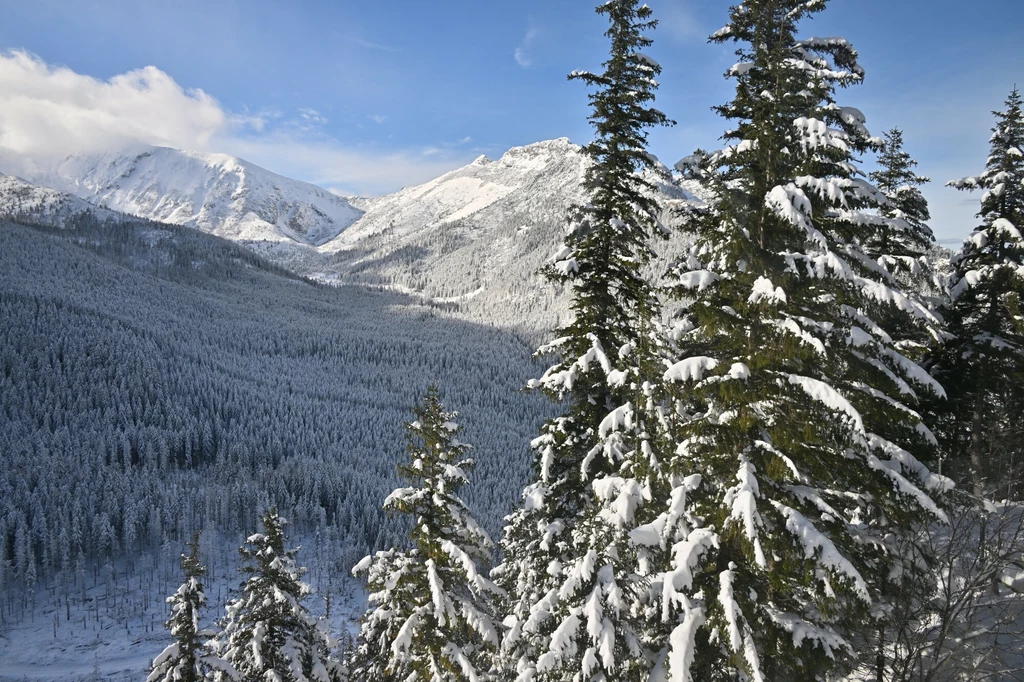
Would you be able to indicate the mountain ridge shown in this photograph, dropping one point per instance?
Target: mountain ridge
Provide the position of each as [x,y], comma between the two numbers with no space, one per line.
[216,193]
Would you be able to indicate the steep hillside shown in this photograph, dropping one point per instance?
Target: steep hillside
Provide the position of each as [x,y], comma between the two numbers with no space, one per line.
[216,193]
[471,241]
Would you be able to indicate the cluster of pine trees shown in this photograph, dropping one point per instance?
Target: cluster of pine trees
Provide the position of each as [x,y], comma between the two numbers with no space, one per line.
[267,632]
[762,487]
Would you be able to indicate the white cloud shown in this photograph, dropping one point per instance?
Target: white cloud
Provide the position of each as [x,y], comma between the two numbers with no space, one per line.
[49,112]
[378,118]
[312,115]
[522,53]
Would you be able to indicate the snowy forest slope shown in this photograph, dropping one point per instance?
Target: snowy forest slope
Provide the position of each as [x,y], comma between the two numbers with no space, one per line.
[155,380]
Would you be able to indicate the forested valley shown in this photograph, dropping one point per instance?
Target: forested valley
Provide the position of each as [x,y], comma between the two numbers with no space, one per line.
[791,450]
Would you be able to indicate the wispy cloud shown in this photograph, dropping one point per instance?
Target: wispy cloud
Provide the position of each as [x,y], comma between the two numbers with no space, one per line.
[378,118]
[312,115]
[523,52]
[370,45]
[47,113]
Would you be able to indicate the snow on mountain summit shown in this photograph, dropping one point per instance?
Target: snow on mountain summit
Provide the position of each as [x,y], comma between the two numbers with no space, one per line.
[473,239]
[216,193]
[551,170]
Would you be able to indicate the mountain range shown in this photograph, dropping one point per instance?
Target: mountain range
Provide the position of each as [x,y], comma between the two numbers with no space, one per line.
[216,193]
[473,239]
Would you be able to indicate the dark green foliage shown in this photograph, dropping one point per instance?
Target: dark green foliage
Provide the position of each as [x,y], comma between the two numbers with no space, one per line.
[186,660]
[788,386]
[900,244]
[982,365]
[568,548]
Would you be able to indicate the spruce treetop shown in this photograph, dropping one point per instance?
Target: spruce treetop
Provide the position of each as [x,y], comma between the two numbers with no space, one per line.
[438,468]
[577,601]
[608,238]
[897,180]
[983,315]
[998,239]
[899,245]
[268,633]
[186,659]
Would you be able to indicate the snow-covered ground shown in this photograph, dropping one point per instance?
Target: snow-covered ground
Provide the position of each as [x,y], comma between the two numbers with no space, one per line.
[113,630]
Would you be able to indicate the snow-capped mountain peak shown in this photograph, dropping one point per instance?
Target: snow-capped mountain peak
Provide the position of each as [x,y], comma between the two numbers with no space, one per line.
[549,172]
[216,193]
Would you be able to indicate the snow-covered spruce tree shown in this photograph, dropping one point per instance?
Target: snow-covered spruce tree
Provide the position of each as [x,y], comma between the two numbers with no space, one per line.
[983,364]
[786,484]
[186,659]
[429,616]
[900,244]
[577,601]
[268,634]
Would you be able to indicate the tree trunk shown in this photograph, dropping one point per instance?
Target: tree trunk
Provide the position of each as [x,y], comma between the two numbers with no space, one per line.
[977,438]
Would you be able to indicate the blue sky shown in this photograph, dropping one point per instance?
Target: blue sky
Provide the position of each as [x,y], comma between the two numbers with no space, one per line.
[367,97]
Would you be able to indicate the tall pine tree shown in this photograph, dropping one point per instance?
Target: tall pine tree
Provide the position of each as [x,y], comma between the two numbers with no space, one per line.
[578,604]
[429,617]
[788,479]
[187,658]
[268,634]
[983,364]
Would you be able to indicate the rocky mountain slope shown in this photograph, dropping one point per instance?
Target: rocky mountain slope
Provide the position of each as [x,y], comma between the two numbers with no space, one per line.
[23,201]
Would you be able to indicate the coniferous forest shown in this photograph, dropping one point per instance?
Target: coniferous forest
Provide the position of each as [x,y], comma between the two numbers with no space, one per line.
[791,453]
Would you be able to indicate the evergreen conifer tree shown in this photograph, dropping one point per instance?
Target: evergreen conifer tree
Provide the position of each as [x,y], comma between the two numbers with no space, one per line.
[268,634]
[186,659]
[900,243]
[788,477]
[578,602]
[429,617]
[983,363]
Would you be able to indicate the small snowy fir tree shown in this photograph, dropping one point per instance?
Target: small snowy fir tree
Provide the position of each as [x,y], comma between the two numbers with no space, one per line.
[268,634]
[900,243]
[186,659]
[982,364]
[578,603]
[429,616]
[788,473]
